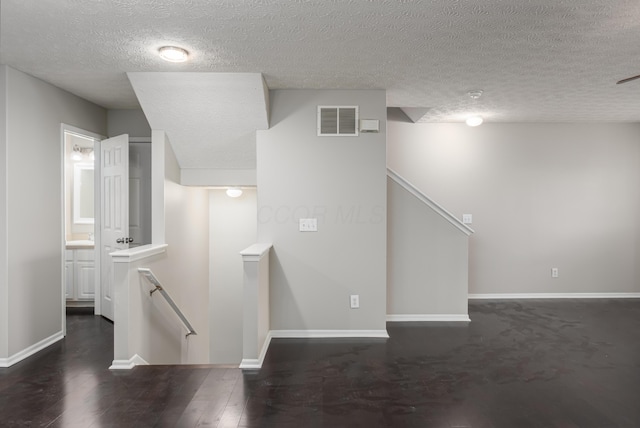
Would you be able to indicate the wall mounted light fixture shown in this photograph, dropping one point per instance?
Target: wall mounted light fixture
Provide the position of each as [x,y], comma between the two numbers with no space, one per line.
[80,152]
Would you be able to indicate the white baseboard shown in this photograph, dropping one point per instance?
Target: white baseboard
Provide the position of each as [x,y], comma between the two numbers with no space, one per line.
[256,363]
[136,360]
[317,334]
[556,296]
[27,352]
[428,317]
[250,363]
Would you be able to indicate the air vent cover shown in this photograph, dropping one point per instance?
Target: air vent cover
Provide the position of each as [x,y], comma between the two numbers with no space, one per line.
[337,121]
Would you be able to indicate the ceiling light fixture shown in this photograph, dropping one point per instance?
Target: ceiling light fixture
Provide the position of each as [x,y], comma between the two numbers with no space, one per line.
[474,121]
[475,94]
[173,54]
[234,192]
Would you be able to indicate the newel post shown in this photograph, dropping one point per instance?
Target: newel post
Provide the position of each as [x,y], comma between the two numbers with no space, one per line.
[256,324]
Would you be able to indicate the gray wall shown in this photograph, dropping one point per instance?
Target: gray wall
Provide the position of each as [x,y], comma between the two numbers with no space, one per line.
[34,202]
[132,122]
[341,181]
[427,261]
[4,286]
[232,228]
[541,195]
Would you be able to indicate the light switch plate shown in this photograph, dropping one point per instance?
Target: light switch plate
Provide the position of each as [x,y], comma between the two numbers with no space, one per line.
[354,301]
[308,225]
[467,218]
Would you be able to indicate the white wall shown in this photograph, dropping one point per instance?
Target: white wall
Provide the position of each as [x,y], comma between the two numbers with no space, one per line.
[232,228]
[34,202]
[183,270]
[427,260]
[541,195]
[187,272]
[341,181]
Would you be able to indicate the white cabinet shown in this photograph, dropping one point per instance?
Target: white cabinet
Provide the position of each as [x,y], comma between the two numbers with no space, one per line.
[68,278]
[79,269]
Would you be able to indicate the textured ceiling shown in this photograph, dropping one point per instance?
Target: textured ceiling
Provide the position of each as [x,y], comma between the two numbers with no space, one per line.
[210,118]
[536,60]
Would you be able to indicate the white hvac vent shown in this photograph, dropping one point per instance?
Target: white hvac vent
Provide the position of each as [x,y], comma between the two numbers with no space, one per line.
[337,121]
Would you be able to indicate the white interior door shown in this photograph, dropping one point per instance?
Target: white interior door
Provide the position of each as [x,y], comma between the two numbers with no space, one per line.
[114,234]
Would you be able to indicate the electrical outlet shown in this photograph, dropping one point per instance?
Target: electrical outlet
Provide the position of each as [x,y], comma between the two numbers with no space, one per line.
[354,300]
[554,272]
[467,218]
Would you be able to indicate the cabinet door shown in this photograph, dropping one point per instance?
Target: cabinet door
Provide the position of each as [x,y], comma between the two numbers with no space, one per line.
[85,280]
[69,279]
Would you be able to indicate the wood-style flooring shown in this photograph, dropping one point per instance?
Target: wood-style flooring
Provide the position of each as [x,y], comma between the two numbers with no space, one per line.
[518,364]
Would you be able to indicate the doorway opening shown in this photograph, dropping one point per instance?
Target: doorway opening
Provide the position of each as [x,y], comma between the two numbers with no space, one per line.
[79,178]
[88,213]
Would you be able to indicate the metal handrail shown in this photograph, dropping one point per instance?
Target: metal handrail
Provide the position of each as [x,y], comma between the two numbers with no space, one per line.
[158,287]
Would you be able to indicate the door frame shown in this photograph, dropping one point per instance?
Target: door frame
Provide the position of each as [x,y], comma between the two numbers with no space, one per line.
[97,215]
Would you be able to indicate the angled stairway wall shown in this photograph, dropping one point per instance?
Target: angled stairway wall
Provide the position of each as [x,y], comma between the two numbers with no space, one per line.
[427,257]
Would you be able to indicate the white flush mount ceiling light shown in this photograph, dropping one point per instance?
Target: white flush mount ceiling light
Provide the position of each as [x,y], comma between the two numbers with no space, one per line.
[173,54]
[474,121]
[475,94]
[234,192]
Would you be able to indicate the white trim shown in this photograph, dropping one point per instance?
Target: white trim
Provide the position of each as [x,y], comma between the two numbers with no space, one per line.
[428,317]
[138,253]
[555,296]
[250,363]
[255,252]
[27,352]
[97,138]
[429,202]
[317,334]
[140,139]
[136,360]
[81,132]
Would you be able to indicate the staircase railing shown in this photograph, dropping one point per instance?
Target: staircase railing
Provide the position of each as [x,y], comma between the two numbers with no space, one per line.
[158,287]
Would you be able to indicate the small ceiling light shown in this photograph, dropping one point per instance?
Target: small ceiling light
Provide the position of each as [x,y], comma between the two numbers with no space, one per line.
[173,54]
[234,192]
[474,121]
[475,94]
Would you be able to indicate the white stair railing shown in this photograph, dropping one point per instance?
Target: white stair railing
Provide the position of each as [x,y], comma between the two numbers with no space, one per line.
[158,287]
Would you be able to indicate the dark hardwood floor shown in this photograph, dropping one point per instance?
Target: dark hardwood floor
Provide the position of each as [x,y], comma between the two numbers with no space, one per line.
[518,364]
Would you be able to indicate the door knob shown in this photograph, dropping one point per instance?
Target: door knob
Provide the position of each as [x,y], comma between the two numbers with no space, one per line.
[124,240]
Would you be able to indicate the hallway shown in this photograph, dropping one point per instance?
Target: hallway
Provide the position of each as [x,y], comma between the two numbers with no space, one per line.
[562,363]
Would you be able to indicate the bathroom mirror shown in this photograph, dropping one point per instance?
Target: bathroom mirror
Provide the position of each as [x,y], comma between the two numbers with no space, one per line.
[83,193]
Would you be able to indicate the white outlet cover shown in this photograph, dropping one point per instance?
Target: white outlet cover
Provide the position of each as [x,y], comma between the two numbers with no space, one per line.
[467,218]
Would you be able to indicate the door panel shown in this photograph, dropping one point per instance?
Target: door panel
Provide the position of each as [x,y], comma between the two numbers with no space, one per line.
[115,211]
